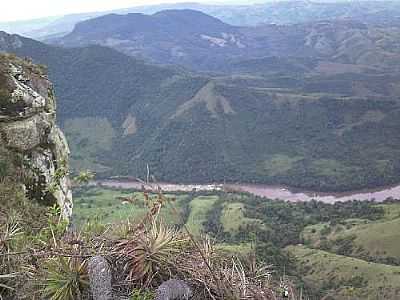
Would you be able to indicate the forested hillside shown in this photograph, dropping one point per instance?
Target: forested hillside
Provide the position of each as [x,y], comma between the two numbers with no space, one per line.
[311,124]
[214,152]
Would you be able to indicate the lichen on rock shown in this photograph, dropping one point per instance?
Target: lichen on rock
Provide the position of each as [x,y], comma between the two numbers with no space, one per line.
[28,128]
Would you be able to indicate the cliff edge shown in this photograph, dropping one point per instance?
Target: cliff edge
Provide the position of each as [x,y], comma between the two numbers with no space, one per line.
[31,144]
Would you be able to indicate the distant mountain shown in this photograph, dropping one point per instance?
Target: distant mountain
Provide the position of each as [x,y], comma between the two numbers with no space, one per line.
[186,37]
[201,42]
[303,122]
[275,12]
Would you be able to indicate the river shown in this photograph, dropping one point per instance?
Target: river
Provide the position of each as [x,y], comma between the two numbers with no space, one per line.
[271,192]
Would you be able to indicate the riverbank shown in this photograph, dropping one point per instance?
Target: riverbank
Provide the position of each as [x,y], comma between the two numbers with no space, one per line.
[271,192]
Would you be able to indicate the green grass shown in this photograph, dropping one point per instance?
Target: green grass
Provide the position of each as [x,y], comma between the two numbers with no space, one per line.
[345,277]
[381,239]
[313,233]
[233,218]
[234,249]
[378,239]
[199,207]
[105,205]
[87,137]
[392,210]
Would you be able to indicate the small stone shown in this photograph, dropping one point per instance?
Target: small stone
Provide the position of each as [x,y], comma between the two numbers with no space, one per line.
[173,289]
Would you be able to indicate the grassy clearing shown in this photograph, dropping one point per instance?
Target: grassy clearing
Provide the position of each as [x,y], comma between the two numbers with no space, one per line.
[377,239]
[345,277]
[233,218]
[312,234]
[234,249]
[87,137]
[392,210]
[381,239]
[199,207]
[108,207]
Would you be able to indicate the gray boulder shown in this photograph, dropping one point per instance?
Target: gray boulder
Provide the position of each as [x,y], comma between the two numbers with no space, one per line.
[100,277]
[173,290]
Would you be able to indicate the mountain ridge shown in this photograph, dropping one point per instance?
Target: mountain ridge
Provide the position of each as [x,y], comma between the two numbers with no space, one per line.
[280,12]
[310,122]
[197,41]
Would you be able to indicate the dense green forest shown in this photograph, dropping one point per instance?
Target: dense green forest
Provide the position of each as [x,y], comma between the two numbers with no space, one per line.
[271,120]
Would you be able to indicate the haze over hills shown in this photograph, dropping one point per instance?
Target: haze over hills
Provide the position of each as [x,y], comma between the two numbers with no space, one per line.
[312,105]
[277,12]
[198,41]
[309,104]
[186,36]
[325,120]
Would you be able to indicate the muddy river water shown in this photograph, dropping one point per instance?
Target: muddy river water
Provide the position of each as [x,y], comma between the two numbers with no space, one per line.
[271,192]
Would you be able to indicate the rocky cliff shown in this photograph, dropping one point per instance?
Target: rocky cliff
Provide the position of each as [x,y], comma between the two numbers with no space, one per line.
[34,145]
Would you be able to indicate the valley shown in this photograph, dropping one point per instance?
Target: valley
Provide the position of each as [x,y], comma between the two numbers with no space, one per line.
[320,124]
[268,136]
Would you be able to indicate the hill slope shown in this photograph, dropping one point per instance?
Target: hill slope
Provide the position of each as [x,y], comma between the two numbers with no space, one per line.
[198,41]
[173,36]
[375,281]
[326,132]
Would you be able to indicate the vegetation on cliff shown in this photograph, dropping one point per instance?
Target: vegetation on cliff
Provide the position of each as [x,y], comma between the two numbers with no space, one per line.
[50,259]
[34,152]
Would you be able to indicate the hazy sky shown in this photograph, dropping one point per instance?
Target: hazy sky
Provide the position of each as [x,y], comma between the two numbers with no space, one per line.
[29,9]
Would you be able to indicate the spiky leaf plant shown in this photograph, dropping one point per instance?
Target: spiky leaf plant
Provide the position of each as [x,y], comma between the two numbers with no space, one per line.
[150,251]
[84,177]
[4,286]
[9,232]
[65,278]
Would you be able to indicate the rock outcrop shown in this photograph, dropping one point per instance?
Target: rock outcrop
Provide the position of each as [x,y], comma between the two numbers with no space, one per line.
[28,129]
[100,277]
[173,290]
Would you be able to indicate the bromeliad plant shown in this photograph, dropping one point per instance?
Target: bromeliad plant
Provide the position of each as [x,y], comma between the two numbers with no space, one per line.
[65,278]
[84,177]
[9,233]
[150,251]
[151,246]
